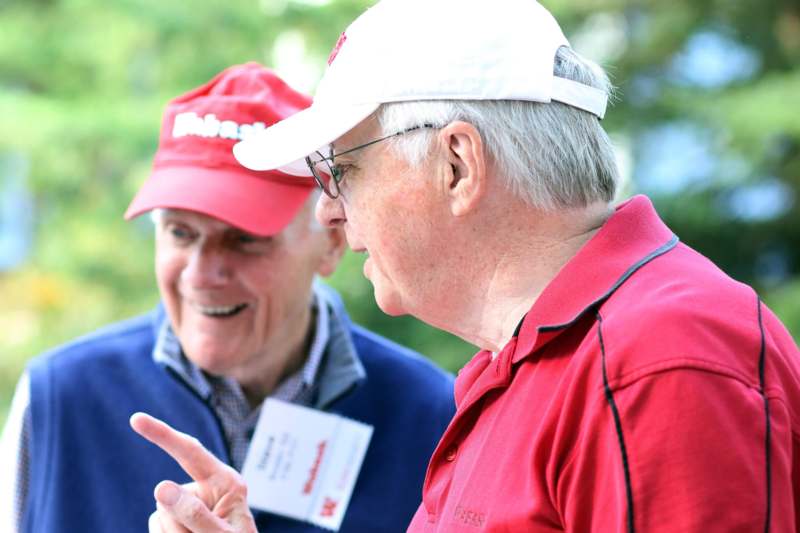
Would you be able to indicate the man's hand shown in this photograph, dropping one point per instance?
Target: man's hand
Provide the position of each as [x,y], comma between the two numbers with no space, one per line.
[217,499]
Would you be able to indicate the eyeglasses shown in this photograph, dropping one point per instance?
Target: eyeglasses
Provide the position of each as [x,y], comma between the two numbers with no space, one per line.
[326,173]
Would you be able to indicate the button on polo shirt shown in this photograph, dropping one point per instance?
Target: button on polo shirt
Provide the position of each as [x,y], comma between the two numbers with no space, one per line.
[639,395]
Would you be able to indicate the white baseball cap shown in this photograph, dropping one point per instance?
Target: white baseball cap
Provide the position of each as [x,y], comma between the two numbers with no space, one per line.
[407,50]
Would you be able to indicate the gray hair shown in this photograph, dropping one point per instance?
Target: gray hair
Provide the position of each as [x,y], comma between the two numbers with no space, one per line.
[552,155]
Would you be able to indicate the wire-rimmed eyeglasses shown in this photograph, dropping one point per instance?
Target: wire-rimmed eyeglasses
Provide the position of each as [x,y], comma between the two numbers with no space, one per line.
[328,176]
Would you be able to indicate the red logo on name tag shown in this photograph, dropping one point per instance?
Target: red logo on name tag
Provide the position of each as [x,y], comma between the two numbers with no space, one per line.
[335,51]
[314,470]
[328,507]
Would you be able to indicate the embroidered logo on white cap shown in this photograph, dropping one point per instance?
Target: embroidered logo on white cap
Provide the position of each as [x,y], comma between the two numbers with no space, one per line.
[335,51]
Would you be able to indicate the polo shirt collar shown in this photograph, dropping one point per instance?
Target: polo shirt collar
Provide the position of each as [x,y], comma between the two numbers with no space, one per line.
[633,236]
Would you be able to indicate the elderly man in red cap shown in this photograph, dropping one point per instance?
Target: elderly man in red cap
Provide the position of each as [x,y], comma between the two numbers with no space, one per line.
[242,323]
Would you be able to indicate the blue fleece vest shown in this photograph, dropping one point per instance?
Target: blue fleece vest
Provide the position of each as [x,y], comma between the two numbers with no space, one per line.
[91,473]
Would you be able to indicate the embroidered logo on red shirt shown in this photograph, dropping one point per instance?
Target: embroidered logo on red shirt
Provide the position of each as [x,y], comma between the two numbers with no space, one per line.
[469,517]
[335,51]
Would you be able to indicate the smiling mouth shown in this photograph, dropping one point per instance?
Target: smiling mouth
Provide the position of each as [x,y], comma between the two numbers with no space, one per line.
[220,311]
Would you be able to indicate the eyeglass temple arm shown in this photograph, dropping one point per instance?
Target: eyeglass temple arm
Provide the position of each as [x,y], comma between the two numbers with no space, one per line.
[396,134]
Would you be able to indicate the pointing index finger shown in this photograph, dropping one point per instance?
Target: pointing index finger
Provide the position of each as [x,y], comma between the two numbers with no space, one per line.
[198,462]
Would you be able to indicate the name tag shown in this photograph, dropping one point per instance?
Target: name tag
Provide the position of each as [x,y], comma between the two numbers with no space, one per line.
[303,463]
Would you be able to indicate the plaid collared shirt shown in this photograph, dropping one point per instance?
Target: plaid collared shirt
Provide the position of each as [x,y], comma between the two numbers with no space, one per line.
[225,395]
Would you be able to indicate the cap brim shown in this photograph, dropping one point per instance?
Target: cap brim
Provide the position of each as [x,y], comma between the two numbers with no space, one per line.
[260,206]
[285,144]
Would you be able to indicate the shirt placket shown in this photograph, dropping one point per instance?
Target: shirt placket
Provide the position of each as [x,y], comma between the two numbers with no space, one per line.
[444,462]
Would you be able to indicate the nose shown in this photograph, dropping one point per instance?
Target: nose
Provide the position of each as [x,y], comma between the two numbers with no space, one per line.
[206,268]
[330,211]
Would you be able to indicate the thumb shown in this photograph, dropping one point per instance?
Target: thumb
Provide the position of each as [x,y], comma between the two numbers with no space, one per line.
[188,510]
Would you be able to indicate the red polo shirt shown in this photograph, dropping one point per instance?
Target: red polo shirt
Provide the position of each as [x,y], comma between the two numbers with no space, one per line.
[645,391]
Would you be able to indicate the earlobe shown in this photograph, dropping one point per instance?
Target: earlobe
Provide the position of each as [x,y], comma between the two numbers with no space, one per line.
[467,177]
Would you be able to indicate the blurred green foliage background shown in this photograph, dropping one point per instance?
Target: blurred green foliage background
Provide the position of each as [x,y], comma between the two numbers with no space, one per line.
[707,122]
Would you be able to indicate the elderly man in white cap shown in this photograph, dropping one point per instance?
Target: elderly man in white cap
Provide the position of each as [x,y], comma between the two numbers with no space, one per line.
[625,383]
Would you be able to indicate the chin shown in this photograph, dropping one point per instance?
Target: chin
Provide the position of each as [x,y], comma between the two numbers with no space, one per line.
[392,311]
[214,364]
[390,303]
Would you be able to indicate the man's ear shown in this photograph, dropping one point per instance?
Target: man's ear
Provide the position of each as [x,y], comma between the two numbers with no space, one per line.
[335,245]
[466,177]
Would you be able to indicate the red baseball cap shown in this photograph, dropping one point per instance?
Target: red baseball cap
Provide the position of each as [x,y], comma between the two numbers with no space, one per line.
[194,167]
